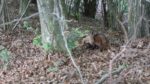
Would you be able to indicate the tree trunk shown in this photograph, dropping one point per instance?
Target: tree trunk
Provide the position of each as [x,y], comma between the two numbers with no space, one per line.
[90,8]
[112,13]
[105,14]
[4,14]
[22,7]
[146,22]
[138,19]
[50,16]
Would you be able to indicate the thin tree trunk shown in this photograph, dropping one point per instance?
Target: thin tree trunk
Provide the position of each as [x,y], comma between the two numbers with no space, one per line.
[22,7]
[4,14]
[105,13]
[90,8]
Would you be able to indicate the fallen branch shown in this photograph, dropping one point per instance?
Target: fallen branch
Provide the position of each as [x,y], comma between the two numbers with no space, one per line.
[104,77]
[114,58]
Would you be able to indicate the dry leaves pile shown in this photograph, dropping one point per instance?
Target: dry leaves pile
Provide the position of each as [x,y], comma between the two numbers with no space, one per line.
[31,65]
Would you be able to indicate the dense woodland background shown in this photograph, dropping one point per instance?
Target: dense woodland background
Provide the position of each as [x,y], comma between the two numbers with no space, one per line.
[39,41]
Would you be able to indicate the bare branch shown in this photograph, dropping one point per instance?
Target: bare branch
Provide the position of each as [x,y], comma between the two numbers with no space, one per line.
[113,59]
[22,15]
[63,23]
[15,20]
[104,77]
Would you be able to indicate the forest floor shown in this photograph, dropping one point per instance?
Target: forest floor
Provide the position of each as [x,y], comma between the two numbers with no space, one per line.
[29,64]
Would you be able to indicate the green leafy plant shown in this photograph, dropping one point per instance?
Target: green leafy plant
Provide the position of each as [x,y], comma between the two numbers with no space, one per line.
[27,26]
[52,69]
[37,40]
[47,47]
[77,16]
[73,37]
[4,56]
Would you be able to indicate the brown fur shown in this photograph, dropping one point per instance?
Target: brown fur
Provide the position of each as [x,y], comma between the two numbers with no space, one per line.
[94,41]
[101,41]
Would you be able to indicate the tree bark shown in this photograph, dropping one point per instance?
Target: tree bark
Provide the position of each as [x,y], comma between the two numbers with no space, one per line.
[22,7]
[50,15]
[4,14]
[90,8]
[138,19]
[105,14]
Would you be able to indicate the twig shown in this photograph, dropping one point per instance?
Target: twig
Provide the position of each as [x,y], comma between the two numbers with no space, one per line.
[104,77]
[22,15]
[63,23]
[15,20]
[113,59]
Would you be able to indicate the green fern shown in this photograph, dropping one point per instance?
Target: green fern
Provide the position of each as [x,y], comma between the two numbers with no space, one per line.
[37,40]
[73,37]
